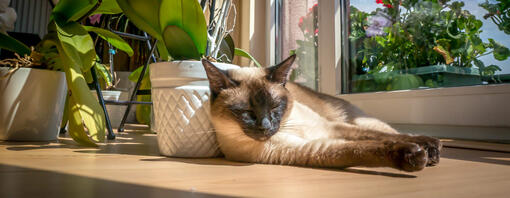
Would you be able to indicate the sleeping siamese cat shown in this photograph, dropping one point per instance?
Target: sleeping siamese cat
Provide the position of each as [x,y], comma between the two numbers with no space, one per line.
[259,117]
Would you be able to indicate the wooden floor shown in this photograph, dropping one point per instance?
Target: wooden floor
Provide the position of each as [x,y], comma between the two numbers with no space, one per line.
[131,167]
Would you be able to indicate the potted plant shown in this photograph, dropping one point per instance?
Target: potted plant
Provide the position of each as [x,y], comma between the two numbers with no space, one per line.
[409,44]
[179,85]
[68,48]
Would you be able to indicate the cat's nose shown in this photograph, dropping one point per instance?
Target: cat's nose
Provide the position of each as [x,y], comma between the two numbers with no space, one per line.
[265,123]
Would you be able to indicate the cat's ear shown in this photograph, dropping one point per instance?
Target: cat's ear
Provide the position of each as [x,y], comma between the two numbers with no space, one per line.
[218,79]
[280,73]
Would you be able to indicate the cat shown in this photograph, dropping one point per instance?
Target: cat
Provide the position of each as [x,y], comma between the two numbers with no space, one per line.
[259,117]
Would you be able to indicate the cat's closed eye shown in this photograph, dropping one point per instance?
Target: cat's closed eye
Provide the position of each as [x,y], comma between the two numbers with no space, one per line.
[243,112]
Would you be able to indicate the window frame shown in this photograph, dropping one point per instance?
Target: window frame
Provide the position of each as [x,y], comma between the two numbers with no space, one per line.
[485,108]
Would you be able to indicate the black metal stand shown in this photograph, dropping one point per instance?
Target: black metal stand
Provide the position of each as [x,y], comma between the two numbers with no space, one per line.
[137,86]
[136,90]
[111,135]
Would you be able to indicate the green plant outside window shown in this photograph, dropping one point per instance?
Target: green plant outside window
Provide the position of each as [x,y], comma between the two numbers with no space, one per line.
[412,44]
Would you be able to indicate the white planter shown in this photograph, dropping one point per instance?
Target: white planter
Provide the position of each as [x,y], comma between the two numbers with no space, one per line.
[31,104]
[115,112]
[180,96]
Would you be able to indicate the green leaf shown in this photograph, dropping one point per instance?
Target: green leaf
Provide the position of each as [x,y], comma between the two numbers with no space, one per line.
[242,53]
[144,14]
[174,17]
[111,38]
[88,77]
[82,100]
[446,54]
[143,112]
[493,68]
[104,73]
[133,76]
[13,45]
[490,70]
[76,130]
[108,7]
[72,10]
[65,115]
[48,48]
[479,64]
[500,52]
[179,44]
[188,16]
[226,51]
[77,44]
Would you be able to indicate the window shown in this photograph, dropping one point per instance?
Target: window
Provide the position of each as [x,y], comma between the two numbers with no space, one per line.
[297,32]
[416,94]
[420,44]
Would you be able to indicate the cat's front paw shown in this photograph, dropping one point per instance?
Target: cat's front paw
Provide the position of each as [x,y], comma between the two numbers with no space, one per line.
[432,145]
[407,156]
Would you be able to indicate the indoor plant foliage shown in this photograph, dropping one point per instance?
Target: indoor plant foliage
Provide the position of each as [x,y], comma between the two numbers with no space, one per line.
[183,34]
[179,88]
[405,34]
[69,47]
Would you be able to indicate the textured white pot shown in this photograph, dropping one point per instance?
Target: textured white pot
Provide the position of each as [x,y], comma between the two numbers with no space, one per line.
[31,104]
[180,96]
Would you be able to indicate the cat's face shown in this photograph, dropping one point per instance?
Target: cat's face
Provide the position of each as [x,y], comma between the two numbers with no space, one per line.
[254,98]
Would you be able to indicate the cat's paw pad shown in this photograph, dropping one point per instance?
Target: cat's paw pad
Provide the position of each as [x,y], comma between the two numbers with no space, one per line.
[408,156]
[433,147]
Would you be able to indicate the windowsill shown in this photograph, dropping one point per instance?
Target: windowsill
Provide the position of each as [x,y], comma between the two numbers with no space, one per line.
[478,145]
[433,92]
[464,133]
[481,106]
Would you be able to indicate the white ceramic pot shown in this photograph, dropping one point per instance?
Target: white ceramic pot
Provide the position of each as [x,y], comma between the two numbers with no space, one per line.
[31,104]
[180,96]
[115,112]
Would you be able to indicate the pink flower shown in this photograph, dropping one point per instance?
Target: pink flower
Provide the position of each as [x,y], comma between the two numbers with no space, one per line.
[316,31]
[300,24]
[95,19]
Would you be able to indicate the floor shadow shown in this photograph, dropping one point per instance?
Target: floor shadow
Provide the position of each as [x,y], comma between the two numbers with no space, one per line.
[474,155]
[132,143]
[199,161]
[25,182]
[224,162]
[14,143]
[23,146]
[371,172]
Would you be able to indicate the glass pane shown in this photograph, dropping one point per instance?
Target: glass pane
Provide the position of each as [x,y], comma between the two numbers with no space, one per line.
[415,44]
[297,32]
